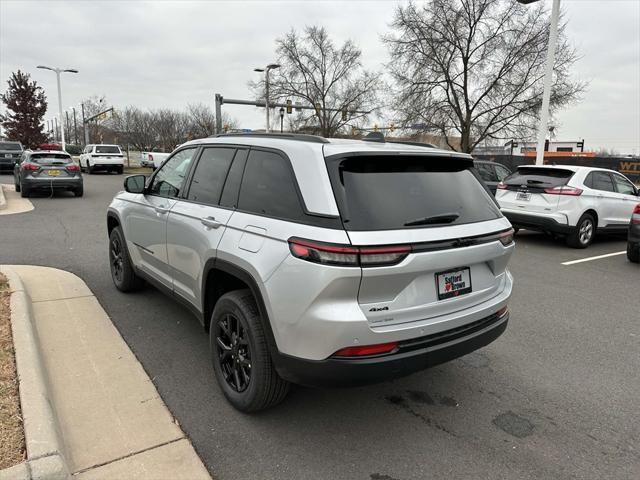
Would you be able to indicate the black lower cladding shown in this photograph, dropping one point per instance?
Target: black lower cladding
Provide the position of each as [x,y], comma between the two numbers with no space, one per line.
[534,222]
[411,356]
[44,183]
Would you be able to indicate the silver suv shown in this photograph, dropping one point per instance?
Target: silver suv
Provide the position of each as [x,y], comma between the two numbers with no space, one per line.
[316,261]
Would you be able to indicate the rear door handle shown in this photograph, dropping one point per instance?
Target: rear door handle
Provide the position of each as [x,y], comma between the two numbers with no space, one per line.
[161,209]
[210,222]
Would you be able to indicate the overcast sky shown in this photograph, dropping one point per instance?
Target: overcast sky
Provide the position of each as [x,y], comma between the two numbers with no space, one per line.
[169,53]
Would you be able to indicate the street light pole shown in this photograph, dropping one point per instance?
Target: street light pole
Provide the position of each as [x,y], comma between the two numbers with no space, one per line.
[281,118]
[266,70]
[58,71]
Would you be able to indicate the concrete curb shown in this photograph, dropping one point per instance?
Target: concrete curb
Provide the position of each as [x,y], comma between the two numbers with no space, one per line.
[45,458]
[3,201]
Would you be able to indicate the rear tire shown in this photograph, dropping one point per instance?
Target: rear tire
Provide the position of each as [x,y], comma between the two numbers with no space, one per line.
[119,170]
[24,191]
[240,354]
[89,168]
[582,235]
[78,192]
[17,185]
[122,272]
[633,252]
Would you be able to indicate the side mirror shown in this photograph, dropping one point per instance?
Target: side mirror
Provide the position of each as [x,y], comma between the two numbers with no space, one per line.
[135,183]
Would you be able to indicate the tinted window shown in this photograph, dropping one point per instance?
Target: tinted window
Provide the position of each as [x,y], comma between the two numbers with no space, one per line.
[107,149]
[623,185]
[234,179]
[168,181]
[539,177]
[486,172]
[382,193]
[268,187]
[210,174]
[14,147]
[502,172]
[44,158]
[602,181]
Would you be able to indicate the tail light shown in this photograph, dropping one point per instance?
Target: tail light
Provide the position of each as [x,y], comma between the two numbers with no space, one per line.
[564,190]
[73,168]
[506,238]
[347,255]
[635,219]
[29,167]
[367,350]
[150,158]
[501,186]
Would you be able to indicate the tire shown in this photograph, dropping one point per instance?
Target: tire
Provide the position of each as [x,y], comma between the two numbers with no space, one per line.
[17,185]
[633,252]
[89,168]
[582,235]
[24,191]
[515,230]
[243,368]
[122,273]
[79,192]
[119,170]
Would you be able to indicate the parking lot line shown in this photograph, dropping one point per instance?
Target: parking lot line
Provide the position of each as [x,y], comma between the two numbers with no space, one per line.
[573,262]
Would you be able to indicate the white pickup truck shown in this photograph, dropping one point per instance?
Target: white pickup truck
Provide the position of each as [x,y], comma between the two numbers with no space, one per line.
[152,159]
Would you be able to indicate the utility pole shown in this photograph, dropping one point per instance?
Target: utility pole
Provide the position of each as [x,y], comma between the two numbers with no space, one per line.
[266,70]
[548,78]
[84,127]
[58,71]
[75,126]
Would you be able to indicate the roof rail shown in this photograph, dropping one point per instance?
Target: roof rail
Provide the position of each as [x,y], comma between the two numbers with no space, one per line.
[302,137]
[417,144]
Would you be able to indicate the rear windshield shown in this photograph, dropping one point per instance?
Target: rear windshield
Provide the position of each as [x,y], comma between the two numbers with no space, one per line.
[107,149]
[16,147]
[45,158]
[392,192]
[543,177]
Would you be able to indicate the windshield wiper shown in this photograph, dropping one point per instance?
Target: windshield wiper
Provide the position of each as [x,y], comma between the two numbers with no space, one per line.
[434,220]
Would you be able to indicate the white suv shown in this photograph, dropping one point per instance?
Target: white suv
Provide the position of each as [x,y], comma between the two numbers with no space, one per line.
[315,261]
[568,200]
[102,157]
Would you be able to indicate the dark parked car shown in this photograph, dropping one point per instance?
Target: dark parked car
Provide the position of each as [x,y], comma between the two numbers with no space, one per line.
[491,173]
[9,153]
[47,170]
[633,245]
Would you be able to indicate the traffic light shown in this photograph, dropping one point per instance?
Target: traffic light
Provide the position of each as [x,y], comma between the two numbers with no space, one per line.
[289,107]
[375,127]
[344,114]
[392,127]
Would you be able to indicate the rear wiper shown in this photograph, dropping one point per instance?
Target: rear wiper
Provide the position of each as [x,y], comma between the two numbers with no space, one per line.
[434,220]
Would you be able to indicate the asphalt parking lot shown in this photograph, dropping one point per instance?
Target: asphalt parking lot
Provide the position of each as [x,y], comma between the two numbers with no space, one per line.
[555,397]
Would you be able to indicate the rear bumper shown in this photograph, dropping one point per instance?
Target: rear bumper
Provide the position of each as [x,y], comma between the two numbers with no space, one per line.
[555,223]
[411,356]
[55,183]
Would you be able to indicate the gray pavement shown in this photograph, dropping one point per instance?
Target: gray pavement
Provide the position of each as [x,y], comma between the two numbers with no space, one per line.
[555,397]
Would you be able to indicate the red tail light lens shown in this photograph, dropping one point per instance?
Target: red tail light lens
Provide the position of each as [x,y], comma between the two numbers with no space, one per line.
[635,219]
[501,186]
[347,255]
[150,158]
[367,350]
[73,167]
[564,190]
[30,167]
[506,238]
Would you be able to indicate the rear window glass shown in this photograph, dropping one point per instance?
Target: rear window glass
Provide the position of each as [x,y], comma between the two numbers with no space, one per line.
[392,192]
[544,177]
[107,149]
[49,157]
[15,147]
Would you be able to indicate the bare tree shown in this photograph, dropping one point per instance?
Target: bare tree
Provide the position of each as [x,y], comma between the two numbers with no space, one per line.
[313,70]
[474,69]
[202,121]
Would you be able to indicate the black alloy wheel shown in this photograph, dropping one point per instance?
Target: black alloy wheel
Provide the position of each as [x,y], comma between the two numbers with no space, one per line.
[234,352]
[116,260]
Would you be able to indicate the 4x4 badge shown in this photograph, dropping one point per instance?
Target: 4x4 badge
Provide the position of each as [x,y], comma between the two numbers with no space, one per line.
[378,309]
